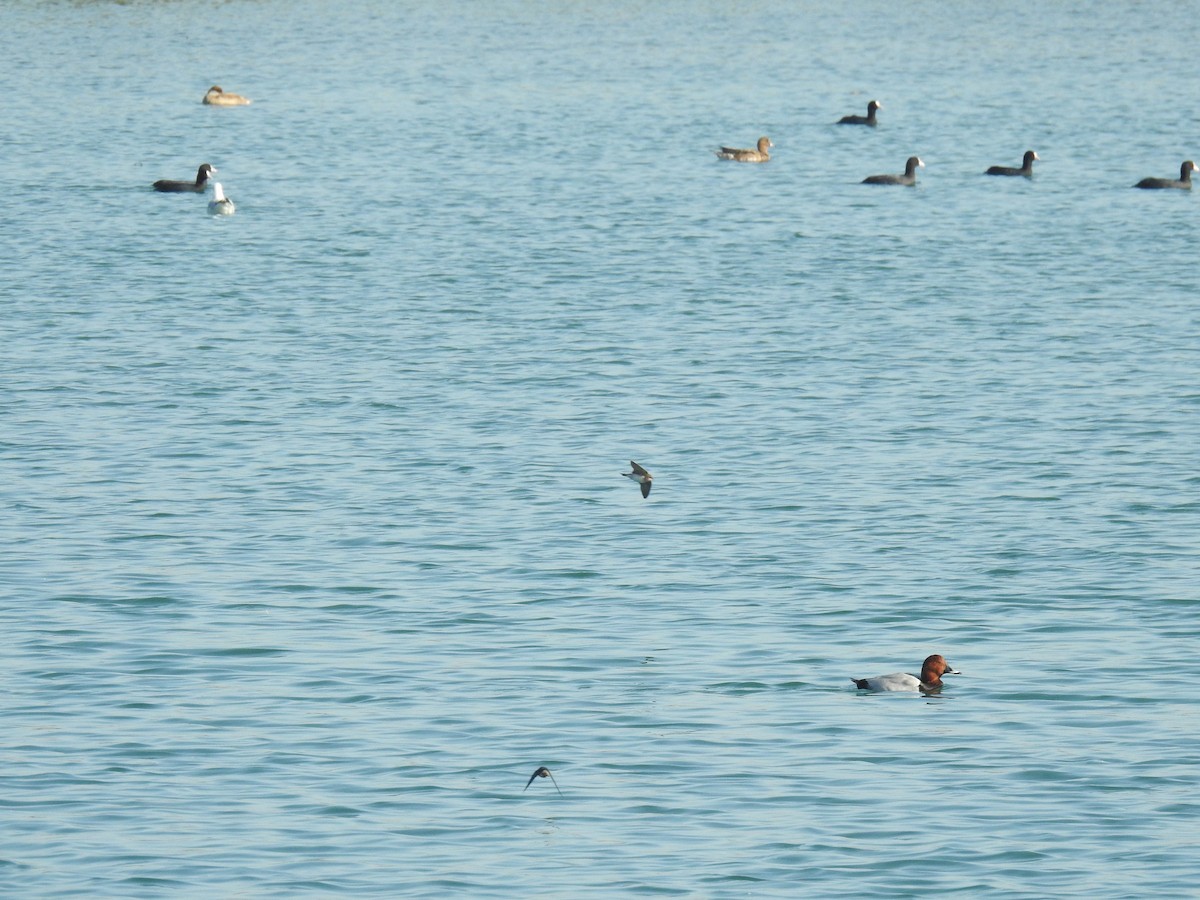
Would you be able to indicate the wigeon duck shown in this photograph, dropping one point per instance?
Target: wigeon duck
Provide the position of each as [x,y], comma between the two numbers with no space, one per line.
[1184,183]
[868,119]
[541,772]
[178,187]
[930,681]
[909,177]
[739,155]
[218,97]
[1026,167]
[220,205]
[641,476]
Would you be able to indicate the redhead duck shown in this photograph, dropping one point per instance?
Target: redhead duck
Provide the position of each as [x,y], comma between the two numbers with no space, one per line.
[179,187]
[220,205]
[738,155]
[1184,183]
[218,97]
[641,476]
[868,119]
[930,681]
[1026,167]
[909,177]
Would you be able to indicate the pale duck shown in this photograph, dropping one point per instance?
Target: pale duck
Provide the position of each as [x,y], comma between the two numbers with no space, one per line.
[218,97]
[743,155]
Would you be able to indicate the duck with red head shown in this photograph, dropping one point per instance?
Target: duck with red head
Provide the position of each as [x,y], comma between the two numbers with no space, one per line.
[930,681]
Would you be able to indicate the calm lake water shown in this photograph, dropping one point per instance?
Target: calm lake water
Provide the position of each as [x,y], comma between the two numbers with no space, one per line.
[315,538]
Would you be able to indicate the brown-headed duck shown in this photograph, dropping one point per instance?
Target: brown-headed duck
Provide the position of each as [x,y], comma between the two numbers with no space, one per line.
[930,681]
[740,155]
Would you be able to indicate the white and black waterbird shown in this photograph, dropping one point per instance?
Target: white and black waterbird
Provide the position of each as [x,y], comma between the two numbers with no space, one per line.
[641,476]
[220,205]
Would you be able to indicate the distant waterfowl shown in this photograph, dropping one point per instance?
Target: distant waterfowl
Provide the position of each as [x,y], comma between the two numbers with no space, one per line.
[641,476]
[179,187]
[930,681]
[868,119]
[1184,183]
[218,97]
[220,205]
[1026,167]
[740,155]
[909,177]
[541,772]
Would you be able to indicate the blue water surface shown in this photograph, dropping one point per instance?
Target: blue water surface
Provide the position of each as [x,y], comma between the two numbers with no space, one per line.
[315,538]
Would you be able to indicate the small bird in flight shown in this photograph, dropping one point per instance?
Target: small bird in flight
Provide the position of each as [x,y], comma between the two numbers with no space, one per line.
[641,476]
[541,772]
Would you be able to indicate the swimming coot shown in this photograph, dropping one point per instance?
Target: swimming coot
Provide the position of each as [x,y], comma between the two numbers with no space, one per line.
[1184,183]
[868,119]
[220,205]
[909,177]
[218,97]
[738,155]
[178,187]
[1026,167]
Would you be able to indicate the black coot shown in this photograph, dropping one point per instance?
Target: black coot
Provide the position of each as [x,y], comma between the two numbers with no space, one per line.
[909,177]
[178,187]
[1026,167]
[868,119]
[1184,183]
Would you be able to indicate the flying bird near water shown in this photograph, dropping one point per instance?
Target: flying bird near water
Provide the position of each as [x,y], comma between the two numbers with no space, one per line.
[541,772]
[641,476]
